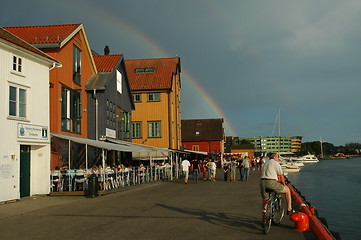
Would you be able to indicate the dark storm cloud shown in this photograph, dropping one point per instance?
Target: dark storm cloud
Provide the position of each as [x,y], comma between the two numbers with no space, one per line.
[251,57]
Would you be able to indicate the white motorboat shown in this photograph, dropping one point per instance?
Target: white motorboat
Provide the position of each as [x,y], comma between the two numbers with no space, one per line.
[290,167]
[294,169]
[307,159]
[289,157]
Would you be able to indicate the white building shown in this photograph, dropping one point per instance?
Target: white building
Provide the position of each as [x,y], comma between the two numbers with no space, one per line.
[24,118]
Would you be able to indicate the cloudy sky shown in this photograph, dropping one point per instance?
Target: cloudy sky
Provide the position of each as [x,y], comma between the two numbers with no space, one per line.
[241,60]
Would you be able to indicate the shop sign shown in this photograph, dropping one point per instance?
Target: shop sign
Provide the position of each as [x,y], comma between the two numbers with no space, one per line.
[110,133]
[32,132]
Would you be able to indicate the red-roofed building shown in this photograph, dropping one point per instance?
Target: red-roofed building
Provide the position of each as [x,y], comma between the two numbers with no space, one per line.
[24,118]
[205,135]
[68,99]
[109,99]
[155,84]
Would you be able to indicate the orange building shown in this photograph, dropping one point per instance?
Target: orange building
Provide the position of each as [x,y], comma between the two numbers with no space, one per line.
[68,99]
[155,85]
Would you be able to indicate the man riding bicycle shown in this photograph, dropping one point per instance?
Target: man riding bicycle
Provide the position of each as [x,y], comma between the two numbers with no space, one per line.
[269,180]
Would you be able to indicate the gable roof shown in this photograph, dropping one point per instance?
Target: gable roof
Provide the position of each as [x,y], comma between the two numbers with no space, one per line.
[106,63]
[47,36]
[52,36]
[197,130]
[16,41]
[160,78]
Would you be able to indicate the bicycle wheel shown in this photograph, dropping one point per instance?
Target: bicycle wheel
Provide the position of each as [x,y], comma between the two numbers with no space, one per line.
[266,219]
[278,210]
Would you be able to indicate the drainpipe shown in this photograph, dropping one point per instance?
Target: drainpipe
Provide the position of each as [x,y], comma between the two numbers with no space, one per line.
[96,114]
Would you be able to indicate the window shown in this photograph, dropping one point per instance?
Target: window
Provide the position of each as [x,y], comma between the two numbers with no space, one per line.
[111,116]
[154,129]
[76,65]
[17,102]
[195,148]
[17,64]
[149,70]
[144,70]
[70,110]
[137,130]
[153,97]
[22,103]
[137,97]
[119,82]
[197,133]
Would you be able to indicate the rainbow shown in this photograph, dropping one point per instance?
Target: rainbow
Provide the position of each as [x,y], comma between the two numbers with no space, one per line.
[107,19]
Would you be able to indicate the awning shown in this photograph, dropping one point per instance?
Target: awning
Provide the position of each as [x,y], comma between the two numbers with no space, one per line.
[117,145]
[139,147]
[195,152]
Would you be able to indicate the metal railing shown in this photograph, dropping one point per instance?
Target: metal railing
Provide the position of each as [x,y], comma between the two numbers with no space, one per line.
[108,178]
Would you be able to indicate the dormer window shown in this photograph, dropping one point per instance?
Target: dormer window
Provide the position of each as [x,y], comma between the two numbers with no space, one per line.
[144,70]
[197,133]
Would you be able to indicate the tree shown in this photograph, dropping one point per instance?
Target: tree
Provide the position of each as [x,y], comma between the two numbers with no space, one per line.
[315,148]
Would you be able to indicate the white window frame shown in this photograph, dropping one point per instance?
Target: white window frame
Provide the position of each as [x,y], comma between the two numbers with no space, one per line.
[137,130]
[18,113]
[154,129]
[17,64]
[135,97]
[153,97]
[119,82]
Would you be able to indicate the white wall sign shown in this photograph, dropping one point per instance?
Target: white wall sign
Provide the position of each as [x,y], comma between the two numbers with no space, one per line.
[110,133]
[6,170]
[32,132]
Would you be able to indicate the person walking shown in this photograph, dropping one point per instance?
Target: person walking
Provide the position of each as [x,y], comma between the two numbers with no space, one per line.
[213,167]
[196,168]
[225,171]
[185,167]
[246,166]
[240,160]
[232,167]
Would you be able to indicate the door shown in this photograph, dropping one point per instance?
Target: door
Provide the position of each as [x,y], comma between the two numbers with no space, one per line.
[24,170]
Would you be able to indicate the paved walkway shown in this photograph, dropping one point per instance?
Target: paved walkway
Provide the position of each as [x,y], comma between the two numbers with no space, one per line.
[170,210]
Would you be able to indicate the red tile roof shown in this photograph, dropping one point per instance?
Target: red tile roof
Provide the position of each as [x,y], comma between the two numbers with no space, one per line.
[106,63]
[11,38]
[161,78]
[197,130]
[43,34]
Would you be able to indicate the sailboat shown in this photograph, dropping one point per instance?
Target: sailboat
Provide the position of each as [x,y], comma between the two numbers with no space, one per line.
[287,164]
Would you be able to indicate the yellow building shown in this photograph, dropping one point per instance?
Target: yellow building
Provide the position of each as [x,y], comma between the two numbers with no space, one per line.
[155,85]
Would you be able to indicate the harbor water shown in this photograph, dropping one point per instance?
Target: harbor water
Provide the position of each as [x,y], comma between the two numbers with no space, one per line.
[333,187]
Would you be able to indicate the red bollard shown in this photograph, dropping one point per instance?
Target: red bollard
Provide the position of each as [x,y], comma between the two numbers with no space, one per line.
[313,210]
[301,221]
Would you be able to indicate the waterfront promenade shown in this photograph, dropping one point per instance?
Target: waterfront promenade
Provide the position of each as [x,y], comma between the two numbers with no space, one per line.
[161,210]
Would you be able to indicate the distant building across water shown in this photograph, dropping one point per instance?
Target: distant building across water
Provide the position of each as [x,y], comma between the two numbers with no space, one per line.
[264,145]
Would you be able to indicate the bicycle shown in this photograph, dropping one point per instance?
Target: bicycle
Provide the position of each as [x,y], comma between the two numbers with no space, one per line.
[273,210]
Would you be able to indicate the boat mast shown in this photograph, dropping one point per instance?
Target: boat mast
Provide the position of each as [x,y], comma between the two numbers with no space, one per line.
[321,147]
[279,130]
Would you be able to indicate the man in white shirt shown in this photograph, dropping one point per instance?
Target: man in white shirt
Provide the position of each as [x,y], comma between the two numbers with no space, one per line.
[269,180]
[185,167]
[213,168]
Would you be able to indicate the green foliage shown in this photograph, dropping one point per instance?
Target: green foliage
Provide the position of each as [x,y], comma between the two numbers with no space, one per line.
[329,149]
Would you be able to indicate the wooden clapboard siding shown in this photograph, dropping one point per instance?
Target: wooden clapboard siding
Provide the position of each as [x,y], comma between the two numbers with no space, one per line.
[166,80]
